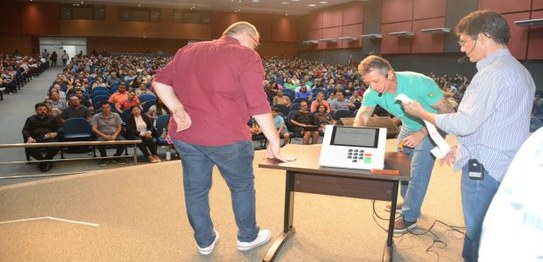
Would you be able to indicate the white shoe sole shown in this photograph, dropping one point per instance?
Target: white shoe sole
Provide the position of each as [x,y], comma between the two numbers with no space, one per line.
[208,250]
[246,246]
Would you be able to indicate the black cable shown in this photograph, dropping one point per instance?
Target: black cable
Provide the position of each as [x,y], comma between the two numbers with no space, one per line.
[436,240]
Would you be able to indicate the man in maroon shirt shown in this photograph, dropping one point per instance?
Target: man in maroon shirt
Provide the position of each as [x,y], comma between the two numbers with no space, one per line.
[211,89]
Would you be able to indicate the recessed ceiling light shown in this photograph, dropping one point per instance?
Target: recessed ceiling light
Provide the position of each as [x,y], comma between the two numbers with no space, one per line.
[285,3]
[323,2]
[255,1]
[312,5]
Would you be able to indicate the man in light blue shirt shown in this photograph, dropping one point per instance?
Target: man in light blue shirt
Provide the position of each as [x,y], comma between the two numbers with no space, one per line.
[492,121]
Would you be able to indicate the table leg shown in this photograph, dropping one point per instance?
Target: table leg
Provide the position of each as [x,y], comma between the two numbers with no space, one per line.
[388,249]
[288,229]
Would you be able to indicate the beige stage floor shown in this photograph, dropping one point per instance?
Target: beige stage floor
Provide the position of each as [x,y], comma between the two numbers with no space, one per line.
[137,213]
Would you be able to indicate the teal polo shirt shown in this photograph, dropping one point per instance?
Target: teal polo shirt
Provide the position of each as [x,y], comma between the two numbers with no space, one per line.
[416,86]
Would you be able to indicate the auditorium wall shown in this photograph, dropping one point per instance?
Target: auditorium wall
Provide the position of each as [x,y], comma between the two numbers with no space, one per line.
[29,20]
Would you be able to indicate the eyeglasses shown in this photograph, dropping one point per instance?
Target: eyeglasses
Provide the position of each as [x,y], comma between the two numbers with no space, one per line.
[257,44]
[461,43]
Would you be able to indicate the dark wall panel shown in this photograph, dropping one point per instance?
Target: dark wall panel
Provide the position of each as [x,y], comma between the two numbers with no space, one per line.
[10,20]
[396,45]
[535,42]
[518,43]
[429,9]
[285,29]
[40,19]
[372,25]
[12,42]
[428,43]
[134,45]
[505,6]
[263,24]
[456,9]
[397,11]
[339,56]
[221,21]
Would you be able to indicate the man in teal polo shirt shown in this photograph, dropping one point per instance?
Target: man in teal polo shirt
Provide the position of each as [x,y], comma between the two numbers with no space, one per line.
[385,84]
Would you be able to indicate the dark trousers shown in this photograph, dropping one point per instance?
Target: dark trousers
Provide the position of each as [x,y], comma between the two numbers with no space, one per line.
[37,152]
[147,145]
[120,148]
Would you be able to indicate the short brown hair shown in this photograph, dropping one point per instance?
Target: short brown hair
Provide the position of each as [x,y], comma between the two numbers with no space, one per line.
[374,63]
[488,22]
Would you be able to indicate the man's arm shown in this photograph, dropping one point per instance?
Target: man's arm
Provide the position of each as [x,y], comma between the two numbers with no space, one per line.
[167,95]
[362,116]
[265,121]
[27,132]
[443,106]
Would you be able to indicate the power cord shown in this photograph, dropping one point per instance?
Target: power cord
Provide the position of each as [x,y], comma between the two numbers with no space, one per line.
[437,241]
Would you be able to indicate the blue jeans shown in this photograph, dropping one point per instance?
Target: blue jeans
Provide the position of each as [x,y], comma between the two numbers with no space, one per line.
[476,198]
[422,164]
[235,162]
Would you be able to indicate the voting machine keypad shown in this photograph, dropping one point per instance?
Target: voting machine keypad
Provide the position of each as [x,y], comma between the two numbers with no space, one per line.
[358,155]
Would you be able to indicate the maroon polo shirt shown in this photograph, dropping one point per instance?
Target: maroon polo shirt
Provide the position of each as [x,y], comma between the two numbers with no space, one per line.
[220,83]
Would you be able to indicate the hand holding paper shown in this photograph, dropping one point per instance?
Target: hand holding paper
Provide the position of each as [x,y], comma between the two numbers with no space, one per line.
[442,148]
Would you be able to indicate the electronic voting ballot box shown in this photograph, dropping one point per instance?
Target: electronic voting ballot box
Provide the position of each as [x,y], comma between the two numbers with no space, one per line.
[353,147]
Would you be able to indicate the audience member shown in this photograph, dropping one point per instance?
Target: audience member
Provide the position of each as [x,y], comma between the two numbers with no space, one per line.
[157,109]
[320,101]
[340,103]
[56,101]
[281,99]
[130,102]
[304,123]
[282,129]
[140,126]
[323,118]
[118,97]
[107,126]
[303,93]
[42,128]
[75,109]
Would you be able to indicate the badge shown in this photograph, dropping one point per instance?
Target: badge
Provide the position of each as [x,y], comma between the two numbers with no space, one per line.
[431,94]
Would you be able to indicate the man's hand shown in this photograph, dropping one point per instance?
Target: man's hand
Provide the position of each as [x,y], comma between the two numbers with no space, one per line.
[53,135]
[30,140]
[450,157]
[182,119]
[413,140]
[272,152]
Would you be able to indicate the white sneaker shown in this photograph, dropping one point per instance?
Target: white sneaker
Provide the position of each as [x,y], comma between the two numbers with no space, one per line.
[264,235]
[208,250]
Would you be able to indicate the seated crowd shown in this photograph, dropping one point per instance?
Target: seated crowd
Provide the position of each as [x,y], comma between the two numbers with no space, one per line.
[305,96]
[17,70]
[112,94]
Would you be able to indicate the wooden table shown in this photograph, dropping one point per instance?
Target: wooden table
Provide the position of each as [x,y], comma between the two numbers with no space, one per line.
[305,175]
